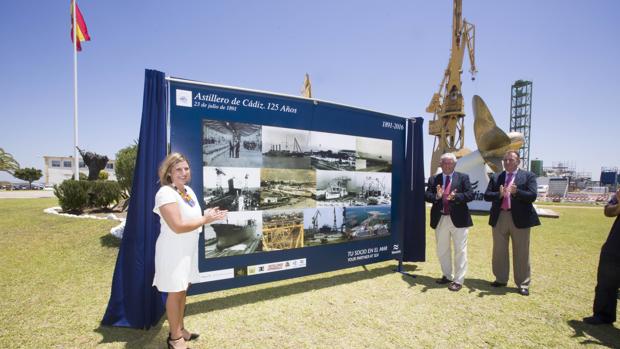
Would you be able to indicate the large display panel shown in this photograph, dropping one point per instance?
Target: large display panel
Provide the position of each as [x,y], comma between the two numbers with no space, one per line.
[310,186]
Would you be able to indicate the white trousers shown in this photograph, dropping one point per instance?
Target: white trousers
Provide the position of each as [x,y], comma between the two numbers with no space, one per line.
[445,232]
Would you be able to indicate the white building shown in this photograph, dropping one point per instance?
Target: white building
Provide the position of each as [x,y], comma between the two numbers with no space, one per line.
[58,168]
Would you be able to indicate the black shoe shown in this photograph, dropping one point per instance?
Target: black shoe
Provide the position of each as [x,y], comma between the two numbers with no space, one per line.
[524,291]
[498,284]
[595,320]
[444,280]
[188,336]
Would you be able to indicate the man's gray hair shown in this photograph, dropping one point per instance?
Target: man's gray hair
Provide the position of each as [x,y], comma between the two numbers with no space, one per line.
[450,156]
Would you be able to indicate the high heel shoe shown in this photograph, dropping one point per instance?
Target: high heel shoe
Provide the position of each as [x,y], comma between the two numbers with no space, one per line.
[188,336]
[178,343]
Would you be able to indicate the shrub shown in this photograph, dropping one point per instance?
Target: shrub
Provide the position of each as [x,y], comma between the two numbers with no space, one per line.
[102,194]
[72,195]
[125,166]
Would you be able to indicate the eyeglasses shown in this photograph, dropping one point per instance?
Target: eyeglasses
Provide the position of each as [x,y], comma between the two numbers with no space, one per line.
[509,160]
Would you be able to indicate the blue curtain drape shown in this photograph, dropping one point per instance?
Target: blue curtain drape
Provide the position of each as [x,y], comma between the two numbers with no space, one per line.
[415,218]
[133,301]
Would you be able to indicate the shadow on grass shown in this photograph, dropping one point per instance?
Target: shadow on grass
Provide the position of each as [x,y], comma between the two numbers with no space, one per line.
[251,297]
[140,338]
[483,287]
[133,338]
[606,335]
[109,240]
[426,281]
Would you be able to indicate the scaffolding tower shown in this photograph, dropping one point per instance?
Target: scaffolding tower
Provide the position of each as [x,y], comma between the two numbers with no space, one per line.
[521,116]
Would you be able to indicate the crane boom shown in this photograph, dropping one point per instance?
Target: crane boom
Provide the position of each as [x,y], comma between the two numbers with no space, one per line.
[447,104]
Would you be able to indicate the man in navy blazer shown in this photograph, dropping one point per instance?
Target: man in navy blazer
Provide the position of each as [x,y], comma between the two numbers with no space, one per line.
[512,193]
[449,192]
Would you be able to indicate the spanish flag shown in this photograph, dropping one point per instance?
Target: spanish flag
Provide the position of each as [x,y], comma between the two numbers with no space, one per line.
[81,32]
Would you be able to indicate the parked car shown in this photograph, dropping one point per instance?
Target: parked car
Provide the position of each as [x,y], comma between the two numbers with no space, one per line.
[543,189]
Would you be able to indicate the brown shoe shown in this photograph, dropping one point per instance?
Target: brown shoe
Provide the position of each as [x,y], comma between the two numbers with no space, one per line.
[455,287]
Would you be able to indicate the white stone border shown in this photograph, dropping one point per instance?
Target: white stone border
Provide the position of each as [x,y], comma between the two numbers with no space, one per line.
[116,231]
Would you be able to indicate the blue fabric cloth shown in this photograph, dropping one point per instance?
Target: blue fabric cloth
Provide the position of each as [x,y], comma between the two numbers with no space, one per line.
[414,240]
[133,301]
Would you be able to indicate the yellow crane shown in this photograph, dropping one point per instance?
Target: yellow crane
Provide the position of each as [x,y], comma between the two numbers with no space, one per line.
[447,104]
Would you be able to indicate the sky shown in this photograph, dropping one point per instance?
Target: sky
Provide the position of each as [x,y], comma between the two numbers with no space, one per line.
[384,56]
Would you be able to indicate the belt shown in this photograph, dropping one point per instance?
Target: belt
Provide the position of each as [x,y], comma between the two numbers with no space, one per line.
[445,214]
[506,210]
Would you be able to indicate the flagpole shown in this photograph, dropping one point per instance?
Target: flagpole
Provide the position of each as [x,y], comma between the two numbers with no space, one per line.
[76,166]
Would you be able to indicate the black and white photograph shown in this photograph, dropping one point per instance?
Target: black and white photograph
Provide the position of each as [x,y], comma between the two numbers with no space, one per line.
[240,233]
[331,151]
[232,144]
[334,188]
[373,155]
[366,222]
[324,225]
[287,188]
[282,230]
[285,148]
[372,188]
[231,188]
[344,188]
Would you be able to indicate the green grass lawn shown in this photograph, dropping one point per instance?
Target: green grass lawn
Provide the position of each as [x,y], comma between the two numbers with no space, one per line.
[56,277]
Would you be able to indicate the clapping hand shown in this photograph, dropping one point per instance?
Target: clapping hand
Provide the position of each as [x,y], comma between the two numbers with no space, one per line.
[439,191]
[214,214]
[618,194]
[512,188]
[451,195]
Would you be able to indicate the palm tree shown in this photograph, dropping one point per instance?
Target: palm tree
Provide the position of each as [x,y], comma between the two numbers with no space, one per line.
[7,163]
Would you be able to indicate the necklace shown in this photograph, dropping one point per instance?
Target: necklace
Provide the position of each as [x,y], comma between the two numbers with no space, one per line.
[186,197]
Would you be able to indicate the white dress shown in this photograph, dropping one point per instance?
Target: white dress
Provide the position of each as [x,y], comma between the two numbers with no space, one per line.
[176,255]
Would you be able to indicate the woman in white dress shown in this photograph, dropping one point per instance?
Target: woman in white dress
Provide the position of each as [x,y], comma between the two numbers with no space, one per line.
[176,250]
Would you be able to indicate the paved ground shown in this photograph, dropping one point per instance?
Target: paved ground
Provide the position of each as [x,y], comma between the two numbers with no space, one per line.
[26,194]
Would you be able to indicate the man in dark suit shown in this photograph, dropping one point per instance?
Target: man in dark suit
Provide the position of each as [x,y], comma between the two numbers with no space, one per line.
[512,193]
[608,275]
[449,192]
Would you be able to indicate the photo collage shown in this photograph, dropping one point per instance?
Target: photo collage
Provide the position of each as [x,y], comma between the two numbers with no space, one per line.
[288,188]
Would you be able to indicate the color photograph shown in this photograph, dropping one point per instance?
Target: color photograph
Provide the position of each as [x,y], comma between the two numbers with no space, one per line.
[282,230]
[232,144]
[367,222]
